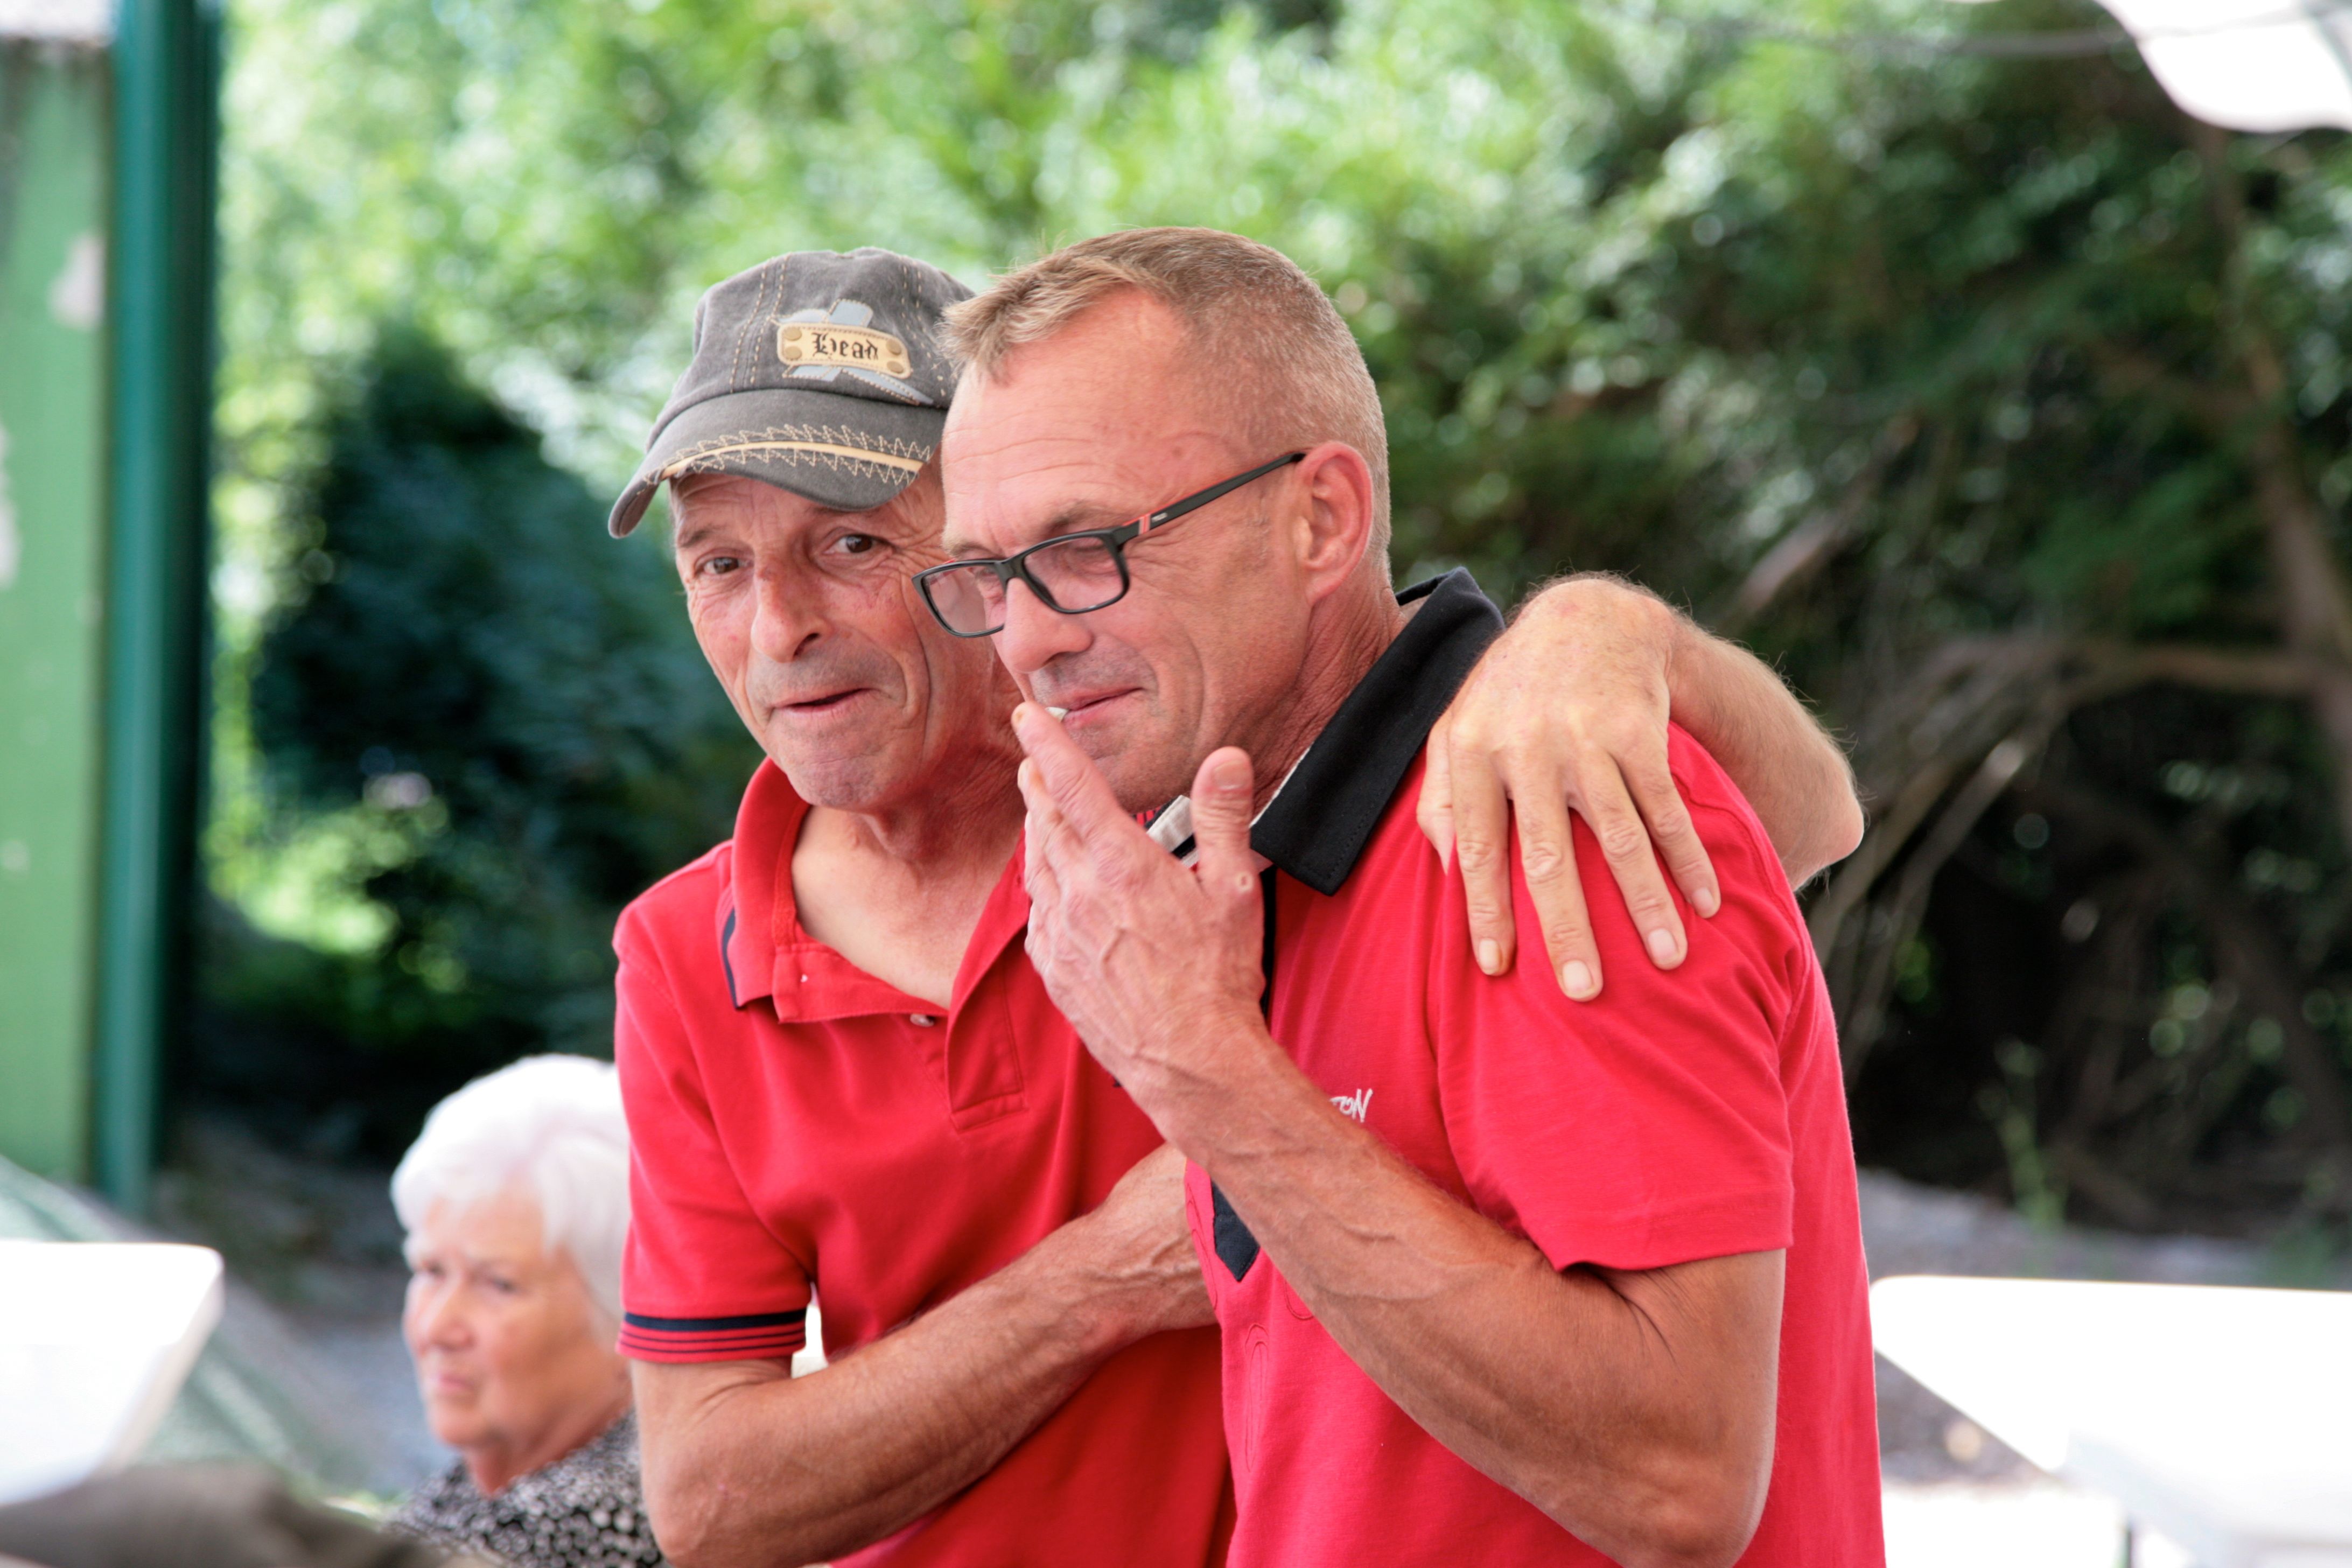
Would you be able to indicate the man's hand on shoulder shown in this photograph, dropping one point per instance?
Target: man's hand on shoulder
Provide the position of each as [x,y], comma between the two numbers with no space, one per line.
[1568,712]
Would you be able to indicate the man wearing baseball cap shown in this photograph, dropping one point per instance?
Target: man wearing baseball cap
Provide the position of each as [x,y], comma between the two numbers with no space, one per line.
[819,373]
[845,1080]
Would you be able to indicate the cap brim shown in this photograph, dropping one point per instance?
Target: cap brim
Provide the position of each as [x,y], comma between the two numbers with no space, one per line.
[840,451]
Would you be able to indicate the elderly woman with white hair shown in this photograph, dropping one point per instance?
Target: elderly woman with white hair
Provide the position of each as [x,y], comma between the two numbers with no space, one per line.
[516,1201]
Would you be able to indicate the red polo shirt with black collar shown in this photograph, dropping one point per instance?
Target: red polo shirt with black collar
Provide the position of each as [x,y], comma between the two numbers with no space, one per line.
[798,1125]
[1682,1115]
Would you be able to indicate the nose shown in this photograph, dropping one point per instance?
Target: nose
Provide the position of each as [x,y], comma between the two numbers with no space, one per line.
[1034,636]
[438,1318]
[788,613]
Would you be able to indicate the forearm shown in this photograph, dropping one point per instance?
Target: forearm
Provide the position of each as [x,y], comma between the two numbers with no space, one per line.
[1791,771]
[1561,1386]
[766,1470]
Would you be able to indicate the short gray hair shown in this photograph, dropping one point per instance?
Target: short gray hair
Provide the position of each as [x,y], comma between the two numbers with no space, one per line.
[1248,308]
[551,1127]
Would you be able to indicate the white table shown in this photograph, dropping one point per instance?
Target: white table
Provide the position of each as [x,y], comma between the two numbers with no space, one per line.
[95,1340]
[2221,1417]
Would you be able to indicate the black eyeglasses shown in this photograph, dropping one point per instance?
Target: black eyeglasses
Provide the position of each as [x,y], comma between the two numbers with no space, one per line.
[1071,573]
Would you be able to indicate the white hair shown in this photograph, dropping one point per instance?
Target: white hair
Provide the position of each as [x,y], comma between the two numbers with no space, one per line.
[549,1127]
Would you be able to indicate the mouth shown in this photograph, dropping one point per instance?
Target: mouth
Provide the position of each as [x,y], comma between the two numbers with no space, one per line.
[446,1385]
[817,707]
[1082,712]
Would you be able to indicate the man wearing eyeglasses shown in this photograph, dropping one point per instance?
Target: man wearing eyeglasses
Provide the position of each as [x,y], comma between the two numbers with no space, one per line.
[1499,1275]
[844,1078]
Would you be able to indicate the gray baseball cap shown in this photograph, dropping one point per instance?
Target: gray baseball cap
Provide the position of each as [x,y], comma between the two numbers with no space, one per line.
[824,374]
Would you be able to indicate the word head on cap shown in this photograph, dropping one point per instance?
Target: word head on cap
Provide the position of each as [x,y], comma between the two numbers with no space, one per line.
[824,374]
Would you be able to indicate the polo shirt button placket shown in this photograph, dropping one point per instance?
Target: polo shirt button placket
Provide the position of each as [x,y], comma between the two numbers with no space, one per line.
[922,1020]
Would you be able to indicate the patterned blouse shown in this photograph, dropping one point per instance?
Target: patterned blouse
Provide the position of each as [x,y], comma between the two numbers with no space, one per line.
[584,1510]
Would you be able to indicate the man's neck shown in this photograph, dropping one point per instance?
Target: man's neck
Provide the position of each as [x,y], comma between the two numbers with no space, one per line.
[899,890]
[968,817]
[1350,632]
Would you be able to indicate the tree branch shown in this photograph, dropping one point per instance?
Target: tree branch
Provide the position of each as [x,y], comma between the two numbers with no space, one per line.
[2243,945]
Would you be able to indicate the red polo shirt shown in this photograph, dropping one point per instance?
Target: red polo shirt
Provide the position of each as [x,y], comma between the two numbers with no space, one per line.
[1684,1115]
[796,1123]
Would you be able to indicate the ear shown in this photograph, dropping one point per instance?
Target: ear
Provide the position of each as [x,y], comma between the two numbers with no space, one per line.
[1337,486]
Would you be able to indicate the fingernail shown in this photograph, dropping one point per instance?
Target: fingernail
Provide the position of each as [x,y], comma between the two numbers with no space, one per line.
[1490,955]
[1661,945]
[1575,979]
[1708,901]
[1231,775]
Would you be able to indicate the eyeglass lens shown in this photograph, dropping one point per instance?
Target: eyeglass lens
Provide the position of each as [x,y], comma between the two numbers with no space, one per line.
[1074,575]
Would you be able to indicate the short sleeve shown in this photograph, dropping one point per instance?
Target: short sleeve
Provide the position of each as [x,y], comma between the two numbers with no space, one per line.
[1649,1126]
[703,1279]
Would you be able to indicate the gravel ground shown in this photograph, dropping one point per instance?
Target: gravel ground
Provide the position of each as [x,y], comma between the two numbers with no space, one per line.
[320,1249]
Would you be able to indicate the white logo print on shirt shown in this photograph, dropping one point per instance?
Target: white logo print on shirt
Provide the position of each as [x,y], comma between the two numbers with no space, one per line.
[1354,1107]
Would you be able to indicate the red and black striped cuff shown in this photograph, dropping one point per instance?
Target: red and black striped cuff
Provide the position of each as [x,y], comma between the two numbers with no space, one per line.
[760,1336]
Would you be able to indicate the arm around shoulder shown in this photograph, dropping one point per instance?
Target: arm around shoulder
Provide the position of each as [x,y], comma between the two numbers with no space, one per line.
[1790,769]
[1793,770]
[1569,714]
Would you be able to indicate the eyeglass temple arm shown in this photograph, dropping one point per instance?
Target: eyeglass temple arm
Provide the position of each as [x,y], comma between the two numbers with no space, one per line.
[1168,514]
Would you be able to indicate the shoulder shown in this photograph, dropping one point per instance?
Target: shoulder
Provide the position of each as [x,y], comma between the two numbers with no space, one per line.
[1759,908]
[1673,1080]
[688,898]
[1400,861]
[600,1474]
[584,1510]
[1756,943]
[671,940]
[445,1511]
[1721,812]
[681,913]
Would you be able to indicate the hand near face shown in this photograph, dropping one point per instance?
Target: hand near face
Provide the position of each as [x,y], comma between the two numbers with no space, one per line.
[1157,964]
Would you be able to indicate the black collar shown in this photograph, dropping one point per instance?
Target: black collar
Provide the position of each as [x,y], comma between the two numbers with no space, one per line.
[1317,829]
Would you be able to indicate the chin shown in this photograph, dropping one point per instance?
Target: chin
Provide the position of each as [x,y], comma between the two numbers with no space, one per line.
[459,1431]
[1142,781]
[855,782]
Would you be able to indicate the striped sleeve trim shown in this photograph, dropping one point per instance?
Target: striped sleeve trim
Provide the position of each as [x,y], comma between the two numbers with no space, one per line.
[755,1337]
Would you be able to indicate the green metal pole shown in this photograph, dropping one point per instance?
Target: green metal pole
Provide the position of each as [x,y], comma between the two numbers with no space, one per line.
[53,103]
[165,98]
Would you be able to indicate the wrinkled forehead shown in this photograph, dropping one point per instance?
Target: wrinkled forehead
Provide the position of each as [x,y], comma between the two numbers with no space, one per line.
[502,1222]
[702,503]
[1070,441]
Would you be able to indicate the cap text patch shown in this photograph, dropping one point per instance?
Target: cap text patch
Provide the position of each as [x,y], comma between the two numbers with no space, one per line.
[854,348]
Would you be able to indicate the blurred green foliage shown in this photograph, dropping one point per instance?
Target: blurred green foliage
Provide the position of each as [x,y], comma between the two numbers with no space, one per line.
[504,714]
[1980,392]
[517,692]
